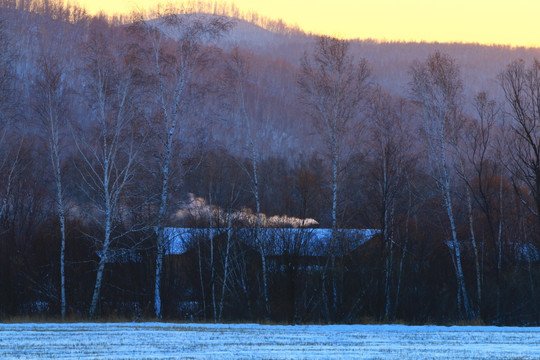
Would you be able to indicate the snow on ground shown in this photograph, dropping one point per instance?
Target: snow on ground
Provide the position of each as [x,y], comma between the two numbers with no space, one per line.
[249,341]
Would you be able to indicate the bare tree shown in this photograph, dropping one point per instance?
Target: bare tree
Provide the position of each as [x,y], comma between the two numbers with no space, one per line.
[389,153]
[178,49]
[437,88]
[50,106]
[108,157]
[333,86]
[479,167]
[521,86]
[227,256]
[7,79]
[7,111]
[241,77]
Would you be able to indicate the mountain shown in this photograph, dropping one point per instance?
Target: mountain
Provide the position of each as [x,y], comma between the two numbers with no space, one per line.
[390,61]
[274,55]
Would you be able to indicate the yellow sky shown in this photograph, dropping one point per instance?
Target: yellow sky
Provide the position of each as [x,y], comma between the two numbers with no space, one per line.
[514,22]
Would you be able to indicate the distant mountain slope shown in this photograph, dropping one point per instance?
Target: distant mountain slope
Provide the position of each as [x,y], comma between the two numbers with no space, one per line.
[480,64]
[390,61]
[245,34]
[274,60]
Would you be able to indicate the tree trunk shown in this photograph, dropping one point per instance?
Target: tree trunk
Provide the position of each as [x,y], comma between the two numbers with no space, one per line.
[258,239]
[62,219]
[475,249]
[100,270]
[201,278]
[499,251]
[445,184]
[225,266]
[212,270]
[335,168]
[159,268]
[455,243]
[55,159]
[160,226]
[403,253]
[333,242]
[388,265]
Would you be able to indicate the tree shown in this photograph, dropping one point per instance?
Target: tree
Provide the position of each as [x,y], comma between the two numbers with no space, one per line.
[178,50]
[50,106]
[481,168]
[241,80]
[7,82]
[333,86]
[521,86]
[390,161]
[7,108]
[108,157]
[437,89]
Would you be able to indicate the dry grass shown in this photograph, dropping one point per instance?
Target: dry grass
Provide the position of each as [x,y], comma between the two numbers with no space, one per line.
[78,318]
[471,322]
[74,318]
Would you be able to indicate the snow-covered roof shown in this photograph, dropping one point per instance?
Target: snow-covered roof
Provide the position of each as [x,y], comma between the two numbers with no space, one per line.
[275,241]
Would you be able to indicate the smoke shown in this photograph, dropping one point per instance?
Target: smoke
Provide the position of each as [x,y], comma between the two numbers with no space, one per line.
[197,208]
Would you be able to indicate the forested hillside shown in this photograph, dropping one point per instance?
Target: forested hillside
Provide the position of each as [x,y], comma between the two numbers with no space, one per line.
[113,131]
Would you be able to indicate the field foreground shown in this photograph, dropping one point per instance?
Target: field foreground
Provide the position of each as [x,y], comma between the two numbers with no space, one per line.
[249,341]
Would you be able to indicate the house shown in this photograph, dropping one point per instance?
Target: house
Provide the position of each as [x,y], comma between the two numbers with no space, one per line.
[307,248]
[296,259]
[274,241]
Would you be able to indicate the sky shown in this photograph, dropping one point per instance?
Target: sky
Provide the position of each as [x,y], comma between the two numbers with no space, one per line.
[508,22]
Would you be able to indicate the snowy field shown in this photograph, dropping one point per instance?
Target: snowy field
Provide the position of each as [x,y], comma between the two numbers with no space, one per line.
[248,341]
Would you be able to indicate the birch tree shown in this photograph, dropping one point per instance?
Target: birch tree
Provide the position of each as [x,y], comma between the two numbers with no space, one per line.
[108,157]
[437,88]
[332,87]
[178,50]
[50,106]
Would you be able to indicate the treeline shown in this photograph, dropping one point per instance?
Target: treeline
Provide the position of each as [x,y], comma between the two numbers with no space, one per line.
[106,128]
